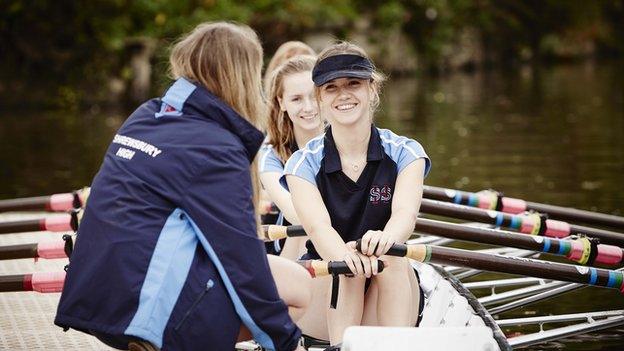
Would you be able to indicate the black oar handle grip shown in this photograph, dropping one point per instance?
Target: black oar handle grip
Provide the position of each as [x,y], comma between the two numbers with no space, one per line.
[340,267]
[399,250]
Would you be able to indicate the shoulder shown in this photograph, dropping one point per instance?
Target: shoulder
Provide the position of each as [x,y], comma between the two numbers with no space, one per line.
[310,156]
[402,150]
[269,161]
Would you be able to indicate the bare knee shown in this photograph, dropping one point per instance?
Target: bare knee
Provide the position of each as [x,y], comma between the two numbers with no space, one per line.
[293,282]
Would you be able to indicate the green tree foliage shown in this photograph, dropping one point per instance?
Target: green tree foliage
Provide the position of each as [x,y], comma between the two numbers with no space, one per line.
[69,50]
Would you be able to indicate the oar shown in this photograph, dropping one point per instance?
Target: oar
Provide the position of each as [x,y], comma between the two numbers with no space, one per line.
[54,203]
[319,268]
[46,249]
[59,223]
[531,223]
[583,250]
[494,201]
[43,282]
[511,265]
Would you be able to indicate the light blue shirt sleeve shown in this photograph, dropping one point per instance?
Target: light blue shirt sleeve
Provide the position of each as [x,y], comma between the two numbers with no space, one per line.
[305,163]
[403,150]
[269,162]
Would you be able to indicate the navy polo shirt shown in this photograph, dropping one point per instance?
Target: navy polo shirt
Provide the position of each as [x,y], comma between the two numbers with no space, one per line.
[356,207]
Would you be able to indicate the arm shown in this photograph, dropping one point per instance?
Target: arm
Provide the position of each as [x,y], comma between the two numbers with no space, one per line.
[315,219]
[405,206]
[218,201]
[406,202]
[280,196]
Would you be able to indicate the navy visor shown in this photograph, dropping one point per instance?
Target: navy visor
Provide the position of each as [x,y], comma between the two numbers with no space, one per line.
[341,66]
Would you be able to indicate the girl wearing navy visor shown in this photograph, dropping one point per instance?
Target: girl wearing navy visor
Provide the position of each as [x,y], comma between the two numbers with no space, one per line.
[293,121]
[358,181]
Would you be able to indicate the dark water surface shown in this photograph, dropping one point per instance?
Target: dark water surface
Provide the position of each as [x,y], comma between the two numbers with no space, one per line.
[554,136]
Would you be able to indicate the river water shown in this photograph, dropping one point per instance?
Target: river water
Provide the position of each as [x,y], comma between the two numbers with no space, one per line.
[554,135]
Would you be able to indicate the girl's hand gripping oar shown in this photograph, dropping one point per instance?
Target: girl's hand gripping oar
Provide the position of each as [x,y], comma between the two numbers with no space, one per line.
[318,268]
[512,265]
[60,223]
[53,203]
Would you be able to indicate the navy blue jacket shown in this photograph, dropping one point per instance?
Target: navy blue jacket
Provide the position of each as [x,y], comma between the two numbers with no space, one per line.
[167,250]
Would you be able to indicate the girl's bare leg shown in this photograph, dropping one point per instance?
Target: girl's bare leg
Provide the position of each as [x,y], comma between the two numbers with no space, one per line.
[314,321]
[294,285]
[393,296]
[349,308]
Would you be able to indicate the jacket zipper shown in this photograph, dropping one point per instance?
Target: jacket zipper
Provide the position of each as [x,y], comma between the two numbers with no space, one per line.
[209,286]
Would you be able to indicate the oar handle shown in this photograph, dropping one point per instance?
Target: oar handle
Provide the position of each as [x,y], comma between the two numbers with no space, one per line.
[319,268]
[419,253]
[276,232]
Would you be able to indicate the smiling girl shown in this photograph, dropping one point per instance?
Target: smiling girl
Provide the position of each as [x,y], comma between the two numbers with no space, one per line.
[293,121]
[358,182]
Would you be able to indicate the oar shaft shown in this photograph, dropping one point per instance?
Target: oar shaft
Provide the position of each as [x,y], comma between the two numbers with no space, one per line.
[511,265]
[39,203]
[580,251]
[44,282]
[528,224]
[488,200]
[49,249]
[13,252]
[54,224]
[56,203]
[573,214]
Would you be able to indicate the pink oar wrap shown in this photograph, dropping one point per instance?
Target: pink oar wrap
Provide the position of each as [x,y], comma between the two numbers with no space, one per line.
[57,223]
[45,282]
[609,255]
[487,201]
[557,229]
[511,205]
[51,249]
[61,202]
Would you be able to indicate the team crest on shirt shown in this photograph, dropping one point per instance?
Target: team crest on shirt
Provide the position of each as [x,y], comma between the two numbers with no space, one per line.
[380,194]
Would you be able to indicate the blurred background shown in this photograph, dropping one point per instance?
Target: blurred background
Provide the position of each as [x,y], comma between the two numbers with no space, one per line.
[523,96]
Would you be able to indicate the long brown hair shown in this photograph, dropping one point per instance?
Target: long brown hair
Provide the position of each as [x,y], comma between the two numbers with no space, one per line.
[286,51]
[345,47]
[226,59]
[280,129]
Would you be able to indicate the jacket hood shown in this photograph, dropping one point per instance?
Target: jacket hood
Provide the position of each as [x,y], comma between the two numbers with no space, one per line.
[190,97]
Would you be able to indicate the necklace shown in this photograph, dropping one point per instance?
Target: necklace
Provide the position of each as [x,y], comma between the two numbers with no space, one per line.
[355,165]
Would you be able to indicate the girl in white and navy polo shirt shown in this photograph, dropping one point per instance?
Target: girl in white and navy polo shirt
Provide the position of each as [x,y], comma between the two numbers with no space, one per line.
[293,121]
[358,181]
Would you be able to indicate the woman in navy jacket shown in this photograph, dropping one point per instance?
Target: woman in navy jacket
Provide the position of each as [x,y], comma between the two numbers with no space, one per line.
[167,251]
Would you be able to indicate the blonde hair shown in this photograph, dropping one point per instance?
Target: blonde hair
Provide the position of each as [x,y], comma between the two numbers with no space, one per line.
[286,51]
[346,48]
[226,59]
[280,129]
